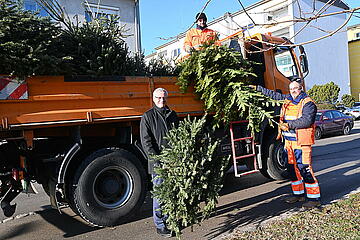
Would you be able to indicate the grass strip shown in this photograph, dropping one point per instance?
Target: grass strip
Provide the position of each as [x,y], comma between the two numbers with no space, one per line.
[340,220]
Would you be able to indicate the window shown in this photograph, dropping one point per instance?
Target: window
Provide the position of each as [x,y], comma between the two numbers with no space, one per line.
[336,114]
[357,35]
[162,54]
[328,115]
[94,11]
[276,14]
[33,6]
[285,63]
[176,52]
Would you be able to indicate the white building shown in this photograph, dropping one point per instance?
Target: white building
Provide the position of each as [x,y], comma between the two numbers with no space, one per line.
[84,10]
[328,58]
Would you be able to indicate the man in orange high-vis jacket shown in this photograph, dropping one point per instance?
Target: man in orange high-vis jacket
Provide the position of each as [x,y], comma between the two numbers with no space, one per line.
[297,119]
[196,37]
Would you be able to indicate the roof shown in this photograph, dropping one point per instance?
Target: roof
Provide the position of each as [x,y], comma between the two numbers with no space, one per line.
[354,26]
[338,3]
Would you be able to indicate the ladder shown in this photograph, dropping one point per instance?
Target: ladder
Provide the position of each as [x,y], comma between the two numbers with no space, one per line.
[252,154]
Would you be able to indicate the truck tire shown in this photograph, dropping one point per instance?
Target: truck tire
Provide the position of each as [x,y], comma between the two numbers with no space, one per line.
[109,186]
[275,164]
[46,188]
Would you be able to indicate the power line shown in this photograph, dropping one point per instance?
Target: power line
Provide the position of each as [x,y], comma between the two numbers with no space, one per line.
[246,12]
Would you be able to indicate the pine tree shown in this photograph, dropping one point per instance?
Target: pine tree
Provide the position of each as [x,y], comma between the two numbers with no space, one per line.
[191,173]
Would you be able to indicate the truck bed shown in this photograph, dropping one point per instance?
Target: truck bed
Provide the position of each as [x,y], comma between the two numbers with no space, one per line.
[58,101]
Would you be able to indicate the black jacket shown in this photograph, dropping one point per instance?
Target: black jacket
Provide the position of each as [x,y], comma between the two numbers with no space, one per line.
[154,125]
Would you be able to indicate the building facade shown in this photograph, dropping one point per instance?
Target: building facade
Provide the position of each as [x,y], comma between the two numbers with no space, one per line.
[86,10]
[321,54]
[354,60]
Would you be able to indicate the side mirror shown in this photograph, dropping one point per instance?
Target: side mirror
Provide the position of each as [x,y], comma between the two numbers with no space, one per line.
[302,49]
[325,118]
[303,61]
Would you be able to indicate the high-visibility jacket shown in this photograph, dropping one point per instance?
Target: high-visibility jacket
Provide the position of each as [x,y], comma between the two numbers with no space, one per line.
[196,37]
[291,111]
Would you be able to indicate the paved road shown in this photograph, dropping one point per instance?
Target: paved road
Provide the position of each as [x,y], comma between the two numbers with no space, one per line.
[245,202]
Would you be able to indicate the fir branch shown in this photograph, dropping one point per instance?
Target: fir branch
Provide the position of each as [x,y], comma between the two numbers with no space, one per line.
[221,78]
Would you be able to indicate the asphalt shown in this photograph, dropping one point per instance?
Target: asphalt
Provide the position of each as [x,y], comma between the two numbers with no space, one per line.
[245,203]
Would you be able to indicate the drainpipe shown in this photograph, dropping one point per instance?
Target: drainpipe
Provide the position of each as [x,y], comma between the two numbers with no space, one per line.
[137,27]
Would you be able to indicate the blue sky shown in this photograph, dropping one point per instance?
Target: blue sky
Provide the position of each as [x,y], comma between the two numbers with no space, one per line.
[167,18]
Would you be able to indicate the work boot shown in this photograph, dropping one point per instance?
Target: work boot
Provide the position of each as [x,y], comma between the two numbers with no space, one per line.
[294,199]
[311,204]
[164,232]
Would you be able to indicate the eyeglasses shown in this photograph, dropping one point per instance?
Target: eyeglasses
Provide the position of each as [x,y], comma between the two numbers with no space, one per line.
[160,97]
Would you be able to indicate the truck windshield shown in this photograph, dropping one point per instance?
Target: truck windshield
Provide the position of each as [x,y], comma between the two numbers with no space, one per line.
[285,62]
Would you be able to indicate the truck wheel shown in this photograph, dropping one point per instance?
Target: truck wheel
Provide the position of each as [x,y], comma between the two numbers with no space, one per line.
[110,185]
[46,188]
[275,162]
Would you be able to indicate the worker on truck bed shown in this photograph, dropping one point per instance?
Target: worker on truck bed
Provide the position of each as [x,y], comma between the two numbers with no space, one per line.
[154,125]
[297,119]
[196,37]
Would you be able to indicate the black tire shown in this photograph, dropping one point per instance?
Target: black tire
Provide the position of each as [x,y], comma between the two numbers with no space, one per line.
[275,164]
[109,186]
[318,133]
[46,188]
[347,129]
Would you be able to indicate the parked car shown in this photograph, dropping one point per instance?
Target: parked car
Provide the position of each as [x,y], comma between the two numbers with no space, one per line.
[332,121]
[354,111]
[356,104]
[341,108]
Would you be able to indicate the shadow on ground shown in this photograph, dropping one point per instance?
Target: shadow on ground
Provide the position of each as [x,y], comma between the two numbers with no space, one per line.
[234,217]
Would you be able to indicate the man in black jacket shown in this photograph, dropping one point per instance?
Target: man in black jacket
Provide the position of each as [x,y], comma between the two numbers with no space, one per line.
[154,125]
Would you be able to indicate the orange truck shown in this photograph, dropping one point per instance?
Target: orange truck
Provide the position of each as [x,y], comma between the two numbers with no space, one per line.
[79,136]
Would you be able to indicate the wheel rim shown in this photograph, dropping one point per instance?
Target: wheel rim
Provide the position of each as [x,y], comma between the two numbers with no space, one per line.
[112,187]
[281,161]
[317,133]
[346,129]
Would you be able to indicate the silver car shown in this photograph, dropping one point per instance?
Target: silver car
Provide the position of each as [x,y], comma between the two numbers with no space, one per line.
[354,111]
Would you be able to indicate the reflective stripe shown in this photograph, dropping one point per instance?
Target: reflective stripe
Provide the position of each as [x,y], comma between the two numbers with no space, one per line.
[314,185]
[292,139]
[298,192]
[290,117]
[313,195]
[288,134]
[297,182]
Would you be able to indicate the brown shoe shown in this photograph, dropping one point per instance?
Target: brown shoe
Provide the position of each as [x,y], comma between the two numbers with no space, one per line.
[311,204]
[294,199]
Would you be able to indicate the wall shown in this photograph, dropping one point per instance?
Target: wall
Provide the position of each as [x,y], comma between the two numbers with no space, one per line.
[328,58]
[354,59]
